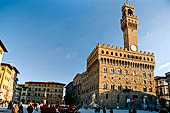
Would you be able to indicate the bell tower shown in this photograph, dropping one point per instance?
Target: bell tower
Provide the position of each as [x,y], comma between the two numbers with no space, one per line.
[129,25]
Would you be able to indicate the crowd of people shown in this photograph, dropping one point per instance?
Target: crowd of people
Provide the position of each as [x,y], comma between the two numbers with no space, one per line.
[97,110]
[18,108]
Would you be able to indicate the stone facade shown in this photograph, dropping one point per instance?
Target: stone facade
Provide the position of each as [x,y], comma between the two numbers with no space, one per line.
[8,80]
[69,94]
[115,75]
[162,91]
[2,50]
[48,92]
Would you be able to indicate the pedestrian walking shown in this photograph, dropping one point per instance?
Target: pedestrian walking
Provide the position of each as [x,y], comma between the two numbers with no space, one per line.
[130,111]
[134,111]
[15,109]
[104,110]
[30,108]
[98,109]
[10,105]
[111,110]
[95,110]
[20,107]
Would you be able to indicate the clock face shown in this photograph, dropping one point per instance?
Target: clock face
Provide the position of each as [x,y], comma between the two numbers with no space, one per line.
[133,47]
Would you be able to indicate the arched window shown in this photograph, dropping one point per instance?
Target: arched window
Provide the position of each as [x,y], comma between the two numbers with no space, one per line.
[126,72]
[112,70]
[107,96]
[102,52]
[130,12]
[145,89]
[105,69]
[104,86]
[150,89]
[116,54]
[102,60]
[114,62]
[119,71]
[120,87]
[149,75]
[125,55]
[144,81]
[144,58]
[48,90]
[107,52]
[144,74]
[112,87]
[111,53]
[120,54]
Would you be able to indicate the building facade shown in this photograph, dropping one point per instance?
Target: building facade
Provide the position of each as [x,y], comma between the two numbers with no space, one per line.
[8,80]
[168,79]
[114,75]
[162,91]
[44,92]
[69,94]
[2,50]
[17,93]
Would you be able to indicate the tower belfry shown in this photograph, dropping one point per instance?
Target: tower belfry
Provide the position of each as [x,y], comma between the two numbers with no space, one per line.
[129,25]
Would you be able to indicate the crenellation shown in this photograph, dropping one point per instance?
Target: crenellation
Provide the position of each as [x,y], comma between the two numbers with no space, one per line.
[149,53]
[153,54]
[113,47]
[108,46]
[144,53]
[104,45]
[121,48]
[98,45]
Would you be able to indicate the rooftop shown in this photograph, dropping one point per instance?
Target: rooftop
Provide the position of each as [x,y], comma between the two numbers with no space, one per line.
[11,67]
[3,47]
[38,82]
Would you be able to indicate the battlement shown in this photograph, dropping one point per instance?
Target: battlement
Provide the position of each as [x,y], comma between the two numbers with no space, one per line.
[126,4]
[123,50]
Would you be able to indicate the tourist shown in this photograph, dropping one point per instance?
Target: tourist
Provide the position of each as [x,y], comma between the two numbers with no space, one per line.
[134,111]
[15,109]
[20,107]
[111,110]
[163,110]
[104,110]
[98,109]
[95,110]
[6,103]
[35,106]
[30,108]
[130,111]
[10,105]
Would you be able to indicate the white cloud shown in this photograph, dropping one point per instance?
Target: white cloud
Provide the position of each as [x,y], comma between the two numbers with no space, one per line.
[71,55]
[59,49]
[164,65]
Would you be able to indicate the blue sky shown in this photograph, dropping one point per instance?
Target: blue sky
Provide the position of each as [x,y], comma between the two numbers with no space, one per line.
[50,40]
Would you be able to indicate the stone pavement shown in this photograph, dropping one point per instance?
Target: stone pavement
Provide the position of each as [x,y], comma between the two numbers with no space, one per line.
[5,110]
[114,111]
